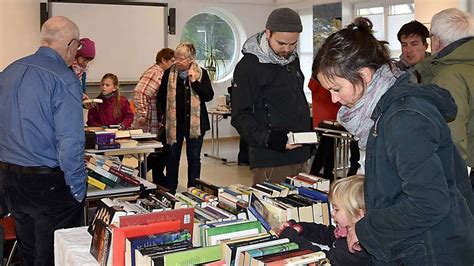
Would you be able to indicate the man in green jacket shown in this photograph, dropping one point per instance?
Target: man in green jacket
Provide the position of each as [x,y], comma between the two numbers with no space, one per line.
[452,66]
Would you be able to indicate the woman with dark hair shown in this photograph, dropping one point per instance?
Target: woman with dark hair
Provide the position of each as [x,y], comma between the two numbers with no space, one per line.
[416,214]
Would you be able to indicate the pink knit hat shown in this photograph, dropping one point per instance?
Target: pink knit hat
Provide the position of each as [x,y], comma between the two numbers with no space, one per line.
[88,48]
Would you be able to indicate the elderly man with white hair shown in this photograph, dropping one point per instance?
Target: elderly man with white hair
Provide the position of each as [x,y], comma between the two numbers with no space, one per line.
[452,67]
[42,142]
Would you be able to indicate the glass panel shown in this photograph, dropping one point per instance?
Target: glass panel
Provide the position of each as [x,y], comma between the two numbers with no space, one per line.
[214,41]
[401,9]
[369,11]
[378,26]
[394,24]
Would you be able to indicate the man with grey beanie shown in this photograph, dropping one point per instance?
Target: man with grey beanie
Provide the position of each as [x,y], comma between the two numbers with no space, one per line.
[268,99]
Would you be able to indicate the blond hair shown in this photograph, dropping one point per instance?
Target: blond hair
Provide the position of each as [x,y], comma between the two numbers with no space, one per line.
[349,193]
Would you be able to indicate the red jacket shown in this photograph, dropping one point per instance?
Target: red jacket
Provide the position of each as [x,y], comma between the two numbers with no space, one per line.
[323,107]
[103,113]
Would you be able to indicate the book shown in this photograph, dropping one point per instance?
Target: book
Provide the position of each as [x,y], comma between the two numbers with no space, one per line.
[185,217]
[127,143]
[105,212]
[107,146]
[247,256]
[100,243]
[193,256]
[262,260]
[264,244]
[229,247]
[92,101]
[261,212]
[167,199]
[145,256]
[96,183]
[215,235]
[131,244]
[119,235]
[122,175]
[302,138]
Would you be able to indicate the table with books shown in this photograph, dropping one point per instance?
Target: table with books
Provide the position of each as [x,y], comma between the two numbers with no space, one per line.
[198,226]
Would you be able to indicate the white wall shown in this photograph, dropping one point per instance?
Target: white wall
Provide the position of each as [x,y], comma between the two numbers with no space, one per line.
[19,29]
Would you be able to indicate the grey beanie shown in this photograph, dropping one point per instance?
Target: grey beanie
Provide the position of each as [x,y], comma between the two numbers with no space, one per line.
[284,20]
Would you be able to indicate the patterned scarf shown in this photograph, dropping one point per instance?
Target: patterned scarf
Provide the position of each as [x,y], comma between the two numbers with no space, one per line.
[357,120]
[195,112]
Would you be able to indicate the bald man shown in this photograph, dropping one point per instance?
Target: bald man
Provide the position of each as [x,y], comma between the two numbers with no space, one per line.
[42,142]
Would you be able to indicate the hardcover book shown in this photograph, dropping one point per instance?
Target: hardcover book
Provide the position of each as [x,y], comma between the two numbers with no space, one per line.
[131,244]
[100,244]
[185,217]
[120,234]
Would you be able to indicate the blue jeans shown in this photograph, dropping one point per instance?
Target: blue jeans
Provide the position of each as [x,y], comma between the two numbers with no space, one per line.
[193,153]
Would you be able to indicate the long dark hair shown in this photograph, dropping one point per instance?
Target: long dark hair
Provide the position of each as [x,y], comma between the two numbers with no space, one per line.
[346,51]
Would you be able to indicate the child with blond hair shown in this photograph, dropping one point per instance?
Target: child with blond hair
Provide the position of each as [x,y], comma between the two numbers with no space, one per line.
[348,206]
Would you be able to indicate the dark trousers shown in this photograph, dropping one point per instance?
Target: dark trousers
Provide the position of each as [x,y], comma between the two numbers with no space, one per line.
[354,159]
[40,204]
[193,153]
[243,157]
[324,157]
[156,162]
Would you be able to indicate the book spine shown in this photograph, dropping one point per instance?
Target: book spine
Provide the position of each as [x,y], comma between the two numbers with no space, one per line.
[102,172]
[127,178]
[96,183]
[103,146]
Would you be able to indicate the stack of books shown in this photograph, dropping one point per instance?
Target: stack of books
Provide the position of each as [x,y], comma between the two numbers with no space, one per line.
[106,172]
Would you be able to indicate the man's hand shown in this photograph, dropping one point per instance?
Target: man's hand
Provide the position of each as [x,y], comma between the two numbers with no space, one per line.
[293,146]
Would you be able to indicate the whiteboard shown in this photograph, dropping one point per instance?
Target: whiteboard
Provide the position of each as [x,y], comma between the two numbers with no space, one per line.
[127,37]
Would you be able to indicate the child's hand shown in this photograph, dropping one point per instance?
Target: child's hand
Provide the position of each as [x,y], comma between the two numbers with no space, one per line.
[292,224]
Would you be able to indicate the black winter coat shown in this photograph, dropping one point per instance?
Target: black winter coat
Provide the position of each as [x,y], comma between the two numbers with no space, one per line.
[266,98]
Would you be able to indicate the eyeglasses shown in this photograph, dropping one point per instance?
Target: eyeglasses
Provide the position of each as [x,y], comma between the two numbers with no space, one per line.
[180,59]
[79,46]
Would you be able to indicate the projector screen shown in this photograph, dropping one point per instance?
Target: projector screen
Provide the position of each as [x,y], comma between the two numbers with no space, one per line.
[127,36]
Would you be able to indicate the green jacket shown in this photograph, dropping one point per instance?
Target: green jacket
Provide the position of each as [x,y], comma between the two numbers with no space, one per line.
[453,69]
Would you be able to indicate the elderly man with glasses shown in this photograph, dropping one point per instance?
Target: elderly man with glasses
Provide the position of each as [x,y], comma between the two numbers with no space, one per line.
[42,142]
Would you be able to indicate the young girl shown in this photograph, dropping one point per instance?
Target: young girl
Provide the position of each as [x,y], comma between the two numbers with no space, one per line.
[115,110]
[347,198]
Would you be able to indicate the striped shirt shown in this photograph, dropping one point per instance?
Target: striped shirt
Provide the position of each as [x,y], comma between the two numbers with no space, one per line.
[144,98]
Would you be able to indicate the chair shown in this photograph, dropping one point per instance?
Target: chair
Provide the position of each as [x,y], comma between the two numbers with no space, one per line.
[8,224]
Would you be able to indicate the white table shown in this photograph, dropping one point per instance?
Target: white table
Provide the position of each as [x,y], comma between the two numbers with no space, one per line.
[216,117]
[71,247]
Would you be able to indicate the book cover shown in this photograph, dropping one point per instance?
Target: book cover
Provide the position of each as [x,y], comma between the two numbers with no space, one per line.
[96,183]
[185,217]
[247,256]
[119,235]
[131,244]
[104,213]
[262,260]
[229,247]
[145,256]
[241,249]
[261,212]
[100,243]
[193,256]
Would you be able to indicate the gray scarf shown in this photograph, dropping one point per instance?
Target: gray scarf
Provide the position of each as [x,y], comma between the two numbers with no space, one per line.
[258,45]
[357,120]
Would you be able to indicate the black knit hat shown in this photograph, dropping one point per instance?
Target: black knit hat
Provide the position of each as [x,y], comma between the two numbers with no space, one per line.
[284,20]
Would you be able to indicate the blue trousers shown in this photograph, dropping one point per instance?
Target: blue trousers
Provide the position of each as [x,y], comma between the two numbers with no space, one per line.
[193,153]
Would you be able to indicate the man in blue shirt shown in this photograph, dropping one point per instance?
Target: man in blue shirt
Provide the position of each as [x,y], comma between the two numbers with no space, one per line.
[42,142]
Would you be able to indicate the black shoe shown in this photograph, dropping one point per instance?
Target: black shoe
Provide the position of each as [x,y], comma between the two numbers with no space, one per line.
[243,163]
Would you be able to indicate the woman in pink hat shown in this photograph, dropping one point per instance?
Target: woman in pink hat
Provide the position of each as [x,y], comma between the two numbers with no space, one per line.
[84,55]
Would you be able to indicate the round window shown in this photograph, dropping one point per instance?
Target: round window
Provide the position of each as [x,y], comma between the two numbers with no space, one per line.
[215,43]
